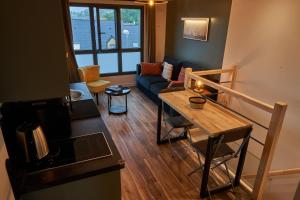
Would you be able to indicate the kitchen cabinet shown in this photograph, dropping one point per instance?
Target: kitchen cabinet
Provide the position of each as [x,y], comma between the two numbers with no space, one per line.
[33,62]
[82,168]
[102,187]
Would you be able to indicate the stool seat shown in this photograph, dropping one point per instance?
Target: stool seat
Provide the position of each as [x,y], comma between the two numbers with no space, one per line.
[224,150]
[178,122]
[98,86]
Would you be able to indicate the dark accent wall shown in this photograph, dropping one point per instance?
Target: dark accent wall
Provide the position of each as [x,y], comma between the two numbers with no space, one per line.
[207,54]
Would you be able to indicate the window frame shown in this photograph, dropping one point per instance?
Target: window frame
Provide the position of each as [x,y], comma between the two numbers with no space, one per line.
[119,50]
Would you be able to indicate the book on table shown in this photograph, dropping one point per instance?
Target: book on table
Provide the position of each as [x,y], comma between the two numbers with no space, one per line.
[115,88]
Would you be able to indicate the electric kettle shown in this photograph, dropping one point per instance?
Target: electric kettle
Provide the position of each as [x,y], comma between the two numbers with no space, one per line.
[32,141]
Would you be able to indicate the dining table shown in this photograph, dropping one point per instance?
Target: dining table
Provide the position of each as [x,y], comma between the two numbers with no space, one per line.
[212,120]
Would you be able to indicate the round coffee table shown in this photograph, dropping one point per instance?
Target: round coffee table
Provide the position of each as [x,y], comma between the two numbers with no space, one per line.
[117,109]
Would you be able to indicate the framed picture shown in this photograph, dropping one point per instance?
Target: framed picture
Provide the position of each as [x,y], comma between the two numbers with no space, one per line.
[196,28]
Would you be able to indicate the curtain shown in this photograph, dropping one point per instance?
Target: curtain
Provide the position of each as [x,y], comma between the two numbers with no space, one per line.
[71,60]
[151,30]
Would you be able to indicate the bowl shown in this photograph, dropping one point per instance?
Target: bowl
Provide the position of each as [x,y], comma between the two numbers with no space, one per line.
[197,102]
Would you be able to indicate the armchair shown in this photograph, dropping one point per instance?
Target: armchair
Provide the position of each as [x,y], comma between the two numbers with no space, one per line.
[90,75]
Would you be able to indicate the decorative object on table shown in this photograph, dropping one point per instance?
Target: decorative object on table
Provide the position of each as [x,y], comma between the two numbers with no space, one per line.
[91,75]
[197,102]
[115,88]
[117,109]
[196,28]
[198,87]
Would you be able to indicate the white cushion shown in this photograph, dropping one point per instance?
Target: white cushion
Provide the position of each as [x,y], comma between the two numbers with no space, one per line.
[167,71]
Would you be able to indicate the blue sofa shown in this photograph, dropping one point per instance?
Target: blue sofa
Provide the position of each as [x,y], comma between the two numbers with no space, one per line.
[152,85]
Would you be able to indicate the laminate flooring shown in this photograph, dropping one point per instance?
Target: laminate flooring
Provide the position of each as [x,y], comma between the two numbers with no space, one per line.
[152,171]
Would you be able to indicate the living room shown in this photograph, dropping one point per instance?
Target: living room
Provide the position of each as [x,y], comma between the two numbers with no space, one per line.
[115,100]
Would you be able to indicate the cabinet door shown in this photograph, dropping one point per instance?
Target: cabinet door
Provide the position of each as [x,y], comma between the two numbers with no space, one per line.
[33,61]
[5,188]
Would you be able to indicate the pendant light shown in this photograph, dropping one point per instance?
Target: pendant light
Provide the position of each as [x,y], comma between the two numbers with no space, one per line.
[151,2]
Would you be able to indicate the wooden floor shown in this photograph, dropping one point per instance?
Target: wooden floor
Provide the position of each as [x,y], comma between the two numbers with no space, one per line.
[152,171]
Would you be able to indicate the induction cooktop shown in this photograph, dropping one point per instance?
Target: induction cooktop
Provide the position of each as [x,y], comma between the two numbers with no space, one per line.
[73,151]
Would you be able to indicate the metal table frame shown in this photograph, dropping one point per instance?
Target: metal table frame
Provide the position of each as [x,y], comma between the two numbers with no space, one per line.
[117,109]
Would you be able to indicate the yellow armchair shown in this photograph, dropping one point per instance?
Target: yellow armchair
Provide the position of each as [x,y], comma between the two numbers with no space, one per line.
[91,75]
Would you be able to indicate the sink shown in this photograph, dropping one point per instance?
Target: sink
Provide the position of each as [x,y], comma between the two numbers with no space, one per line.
[76,95]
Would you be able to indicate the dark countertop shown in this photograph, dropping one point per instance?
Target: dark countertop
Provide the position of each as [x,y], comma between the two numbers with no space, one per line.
[85,108]
[24,182]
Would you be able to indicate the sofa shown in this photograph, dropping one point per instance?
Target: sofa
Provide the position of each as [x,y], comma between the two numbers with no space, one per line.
[151,86]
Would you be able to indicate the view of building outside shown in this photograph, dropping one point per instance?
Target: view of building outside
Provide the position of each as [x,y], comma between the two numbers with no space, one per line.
[131,28]
[108,28]
[130,37]
[81,28]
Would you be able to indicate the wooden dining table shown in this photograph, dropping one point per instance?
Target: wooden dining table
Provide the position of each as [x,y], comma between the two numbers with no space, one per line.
[212,120]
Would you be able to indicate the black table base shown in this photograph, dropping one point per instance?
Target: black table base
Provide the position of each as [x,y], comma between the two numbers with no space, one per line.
[117,109]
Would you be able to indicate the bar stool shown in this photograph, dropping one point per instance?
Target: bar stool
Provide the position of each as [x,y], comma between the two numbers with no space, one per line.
[220,152]
[177,122]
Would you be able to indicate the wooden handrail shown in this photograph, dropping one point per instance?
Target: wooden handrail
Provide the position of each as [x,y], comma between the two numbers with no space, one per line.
[246,98]
[278,113]
[213,72]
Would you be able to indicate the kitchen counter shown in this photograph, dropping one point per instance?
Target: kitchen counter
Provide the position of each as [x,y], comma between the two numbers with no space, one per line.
[26,182]
[85,108]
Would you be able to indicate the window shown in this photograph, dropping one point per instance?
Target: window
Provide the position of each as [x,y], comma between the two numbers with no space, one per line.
[130,28]
[109,36]
[81,28]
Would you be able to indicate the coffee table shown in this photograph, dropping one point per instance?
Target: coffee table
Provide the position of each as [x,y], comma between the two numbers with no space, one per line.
[117,109]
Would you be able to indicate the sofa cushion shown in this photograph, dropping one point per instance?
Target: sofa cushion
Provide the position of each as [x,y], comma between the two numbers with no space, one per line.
[153,69]
[181,76]
[167,71]
[176,66]
[157,87]
[147,81]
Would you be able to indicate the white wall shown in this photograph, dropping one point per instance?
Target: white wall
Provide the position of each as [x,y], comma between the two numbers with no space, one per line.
[5,188]
[263,40]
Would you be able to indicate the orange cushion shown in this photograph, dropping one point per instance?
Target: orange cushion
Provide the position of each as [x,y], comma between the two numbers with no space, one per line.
[92,73]
[150,69]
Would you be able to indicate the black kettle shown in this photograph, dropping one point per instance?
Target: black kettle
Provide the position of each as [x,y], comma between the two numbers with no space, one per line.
[32,141]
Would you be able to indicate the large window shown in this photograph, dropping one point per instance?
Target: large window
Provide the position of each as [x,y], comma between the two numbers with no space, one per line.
[111,37]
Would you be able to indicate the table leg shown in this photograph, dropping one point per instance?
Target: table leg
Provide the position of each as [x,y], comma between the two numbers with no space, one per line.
[109,103]
[205,175]
[240,166]
[97,98]
[126,103]
[159,113]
